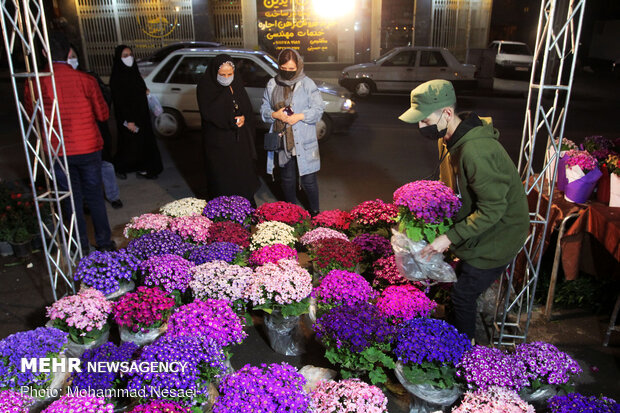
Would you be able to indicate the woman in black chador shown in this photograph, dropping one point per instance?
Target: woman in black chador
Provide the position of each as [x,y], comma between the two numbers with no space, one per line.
[136,149]
[227,130]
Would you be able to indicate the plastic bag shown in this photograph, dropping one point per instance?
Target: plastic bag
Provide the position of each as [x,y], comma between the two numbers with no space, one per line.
[58,382]
[76,350]
[314,375]
[154,105]
[284,334]
[539,397]
[426,398]
[415,268]
[142,338]
[124,288]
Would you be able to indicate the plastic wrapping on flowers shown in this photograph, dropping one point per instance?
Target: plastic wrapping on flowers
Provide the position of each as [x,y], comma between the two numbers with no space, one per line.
[284,334]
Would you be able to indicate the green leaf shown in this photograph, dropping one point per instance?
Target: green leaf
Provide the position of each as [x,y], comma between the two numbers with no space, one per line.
[414,234]
[377,376]
[429,234]
[266,307]
[296,309]
[372,354]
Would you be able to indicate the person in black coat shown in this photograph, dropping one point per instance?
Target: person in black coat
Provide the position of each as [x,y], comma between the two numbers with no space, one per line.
[227,130]
[136,149]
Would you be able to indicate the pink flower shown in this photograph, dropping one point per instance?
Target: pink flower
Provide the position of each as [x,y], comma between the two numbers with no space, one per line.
[401,303]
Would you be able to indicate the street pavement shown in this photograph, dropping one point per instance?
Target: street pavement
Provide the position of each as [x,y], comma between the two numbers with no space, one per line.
[26,285]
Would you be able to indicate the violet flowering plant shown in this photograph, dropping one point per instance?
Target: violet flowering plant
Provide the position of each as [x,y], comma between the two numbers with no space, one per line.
[425,209]
[105,271]
[212,319]
[203,361]
[348,396]
[286,212]
[578,403]
[83,315]
[582,159]
[546,365]
[191,228]
[272,253]
[492,400]
[358,339]
[319,234]
[401,303]
[143,310]
[145,224]
[341,287]
[169,272]
[159,243]
[15,402]
[100,380]
[373,246]
[228,231]
[220,280]
[372,216]
[79,403]
[430,350]
[229,208]
[283,286]
[160,406]
[599,147]
[333,219]
[184,207]
[272,232]
[484,367]
[42,342]
[266,388]
[217,251]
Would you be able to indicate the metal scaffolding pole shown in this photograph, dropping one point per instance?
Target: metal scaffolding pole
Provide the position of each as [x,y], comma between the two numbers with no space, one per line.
[557,43]
[23,24]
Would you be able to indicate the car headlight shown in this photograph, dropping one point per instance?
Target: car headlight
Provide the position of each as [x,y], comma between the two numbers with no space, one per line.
[347,105]
[344,75]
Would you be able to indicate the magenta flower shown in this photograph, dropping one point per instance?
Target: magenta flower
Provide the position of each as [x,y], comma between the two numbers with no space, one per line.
[272,253]
[401,303]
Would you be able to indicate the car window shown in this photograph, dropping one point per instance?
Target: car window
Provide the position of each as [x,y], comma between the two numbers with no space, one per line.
[522,49]
[252,74]
[428,58]
[494,46]
[164,72]
[401,59]
[190,70]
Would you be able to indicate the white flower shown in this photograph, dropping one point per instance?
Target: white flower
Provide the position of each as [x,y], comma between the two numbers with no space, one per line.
[272,232]
[184,207]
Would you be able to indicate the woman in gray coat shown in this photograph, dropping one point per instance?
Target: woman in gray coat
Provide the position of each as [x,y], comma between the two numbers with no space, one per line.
[293,105]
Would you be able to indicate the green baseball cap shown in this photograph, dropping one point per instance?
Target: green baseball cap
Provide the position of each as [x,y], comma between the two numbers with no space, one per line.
[427,98]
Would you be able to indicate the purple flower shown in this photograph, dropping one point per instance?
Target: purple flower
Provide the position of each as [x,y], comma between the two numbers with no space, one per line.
[160,406]
[105,270]
[428,201]
[158,243]
[217,251]
[545,363]
[483,367]
[265,389]
[167,271]
[107,352]
[578,403]
[341,287]
[229,208]
[400,303]
[15,402]
[374,246]
[79,403]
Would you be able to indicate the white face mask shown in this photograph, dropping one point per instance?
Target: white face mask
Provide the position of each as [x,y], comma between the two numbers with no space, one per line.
[128,61]
[225,81]
[73,62]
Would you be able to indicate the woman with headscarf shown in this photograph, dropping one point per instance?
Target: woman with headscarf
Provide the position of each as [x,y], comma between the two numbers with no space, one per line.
[227,130]
[293,105]
[136,148]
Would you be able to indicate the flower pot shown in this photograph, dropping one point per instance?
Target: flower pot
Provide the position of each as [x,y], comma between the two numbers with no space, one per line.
[426,398]
[6,249]
[142,338]
[284,334]
[603,186]
[614,190]
[124,288]
[21,249]
[580,186]
[538,398]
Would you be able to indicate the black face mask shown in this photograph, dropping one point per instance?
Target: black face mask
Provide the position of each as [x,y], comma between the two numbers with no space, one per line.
[432,133]
[287,74]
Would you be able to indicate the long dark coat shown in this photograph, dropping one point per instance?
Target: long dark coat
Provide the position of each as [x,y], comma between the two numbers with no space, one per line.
[135,151]
[230,151]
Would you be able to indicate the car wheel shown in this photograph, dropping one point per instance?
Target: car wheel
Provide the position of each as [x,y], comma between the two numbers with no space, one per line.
[323,128]
[169,124]
[363,88]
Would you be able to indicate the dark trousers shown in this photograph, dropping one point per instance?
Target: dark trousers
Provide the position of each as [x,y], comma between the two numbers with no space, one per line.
[310,184]
[86,185]
[471,283]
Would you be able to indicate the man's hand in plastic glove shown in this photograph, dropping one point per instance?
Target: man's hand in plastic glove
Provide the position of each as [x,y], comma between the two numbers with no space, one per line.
[440,244]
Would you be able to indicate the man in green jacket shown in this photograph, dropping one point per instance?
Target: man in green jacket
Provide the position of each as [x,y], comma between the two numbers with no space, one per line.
[493,222]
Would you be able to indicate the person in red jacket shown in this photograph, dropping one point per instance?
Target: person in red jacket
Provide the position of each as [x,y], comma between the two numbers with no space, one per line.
[80,105]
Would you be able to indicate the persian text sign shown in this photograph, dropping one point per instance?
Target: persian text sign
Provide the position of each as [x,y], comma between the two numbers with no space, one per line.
[293,24]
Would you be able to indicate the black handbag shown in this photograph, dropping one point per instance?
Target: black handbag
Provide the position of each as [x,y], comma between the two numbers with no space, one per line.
[273,141]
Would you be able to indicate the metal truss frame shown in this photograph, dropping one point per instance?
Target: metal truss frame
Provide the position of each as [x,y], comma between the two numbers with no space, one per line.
[23,24]
[557,43]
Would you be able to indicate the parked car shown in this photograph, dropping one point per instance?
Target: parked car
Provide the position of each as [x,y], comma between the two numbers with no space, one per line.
[146,65]
[174,81]
[513,60]
[403,68]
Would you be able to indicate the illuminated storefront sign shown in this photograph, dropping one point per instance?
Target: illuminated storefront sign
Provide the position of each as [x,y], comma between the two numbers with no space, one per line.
[294,24]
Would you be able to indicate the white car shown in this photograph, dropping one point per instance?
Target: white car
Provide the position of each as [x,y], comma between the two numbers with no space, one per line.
[403,68]
[513,60]
[174,81]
